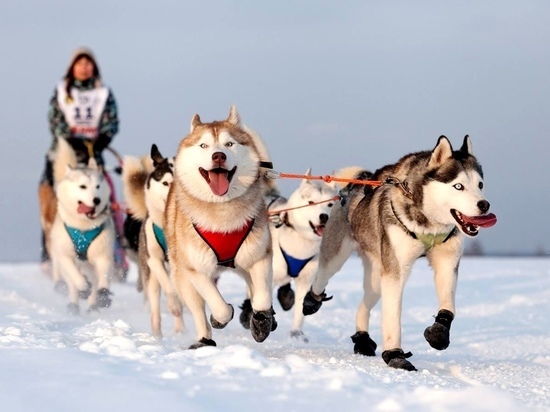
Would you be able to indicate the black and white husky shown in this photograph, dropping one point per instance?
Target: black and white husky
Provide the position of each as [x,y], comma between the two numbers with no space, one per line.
[430,201]
[83,235]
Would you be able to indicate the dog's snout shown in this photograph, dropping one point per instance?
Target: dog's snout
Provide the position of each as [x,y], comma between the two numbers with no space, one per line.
[483,206]
[97,201]
[323,217]
[219,157]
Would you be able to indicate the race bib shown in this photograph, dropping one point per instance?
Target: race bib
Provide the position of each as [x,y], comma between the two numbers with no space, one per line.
[83,113]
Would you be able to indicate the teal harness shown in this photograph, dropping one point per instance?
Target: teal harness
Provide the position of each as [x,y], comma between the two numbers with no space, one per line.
[161,239]
[82,239]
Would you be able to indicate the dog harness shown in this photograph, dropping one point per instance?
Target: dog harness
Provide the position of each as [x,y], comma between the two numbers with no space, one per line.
[82,239]
[294,266]
[225,245]
[161,240]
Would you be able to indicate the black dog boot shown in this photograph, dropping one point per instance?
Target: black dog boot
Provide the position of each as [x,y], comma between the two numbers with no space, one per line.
[285,296]
[104,298]
[85,294]
[363,344]
[203,342]
[262,324]
[438,335]
[246,313]
[313,302]
[396,358]
[218,325]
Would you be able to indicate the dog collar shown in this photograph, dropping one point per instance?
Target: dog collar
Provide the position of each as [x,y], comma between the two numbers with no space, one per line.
[161,239]
[225,245]
[294,266]
[82,239]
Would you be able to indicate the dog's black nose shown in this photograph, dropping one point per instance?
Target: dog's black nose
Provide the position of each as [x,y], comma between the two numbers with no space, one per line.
[483,206]
[219,157]
[97,201]
[323,217]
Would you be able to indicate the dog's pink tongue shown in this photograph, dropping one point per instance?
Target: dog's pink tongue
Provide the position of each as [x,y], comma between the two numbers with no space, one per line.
[82,208]
[219,184]
[487,220]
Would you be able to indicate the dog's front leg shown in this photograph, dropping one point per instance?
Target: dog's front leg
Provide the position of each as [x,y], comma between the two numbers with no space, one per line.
[262,322]
[73,276]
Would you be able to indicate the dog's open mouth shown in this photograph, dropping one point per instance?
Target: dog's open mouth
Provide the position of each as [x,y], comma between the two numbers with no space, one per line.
[470,224]
[218,179]
[84,209]
[318,230]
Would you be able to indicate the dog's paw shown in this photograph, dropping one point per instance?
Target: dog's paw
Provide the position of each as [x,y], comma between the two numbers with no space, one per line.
[203,342]
[218,325]
[438,335]
[299,335]
[312,302]
[285,296]
[73,309]
[246,313]
[61,287]
[262,324]
[396,358]
[363,344]
[104,298]
[85,294]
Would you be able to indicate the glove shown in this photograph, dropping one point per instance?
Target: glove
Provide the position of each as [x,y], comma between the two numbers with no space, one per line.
[312,302]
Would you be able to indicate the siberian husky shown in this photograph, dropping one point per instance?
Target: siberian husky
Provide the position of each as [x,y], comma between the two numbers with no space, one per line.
[296,233]
[82,235]
[146,194]
[430,201]
[216,219]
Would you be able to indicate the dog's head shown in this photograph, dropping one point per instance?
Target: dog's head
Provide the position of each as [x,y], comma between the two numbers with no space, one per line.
[218,161]
[159,180]
[453,188]
[318,197]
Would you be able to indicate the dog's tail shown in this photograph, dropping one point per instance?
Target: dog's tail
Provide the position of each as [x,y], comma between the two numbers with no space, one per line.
[134,176]
[271,189]
[63,158]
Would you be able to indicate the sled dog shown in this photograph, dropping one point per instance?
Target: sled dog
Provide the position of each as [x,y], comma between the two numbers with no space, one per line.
[430,200]
[82,235]
[146,194]
[296,233]
[216,219]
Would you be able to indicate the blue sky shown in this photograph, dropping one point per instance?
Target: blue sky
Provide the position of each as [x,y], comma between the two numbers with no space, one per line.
[327,84]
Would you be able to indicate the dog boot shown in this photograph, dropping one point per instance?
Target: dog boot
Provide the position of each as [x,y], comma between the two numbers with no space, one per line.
[285,296]
[438,335]
[313,302]
[396,358]
[85,294]
[104,298]
[246,313]
[262,324]
[299,335]
[218,325]
[203,342]
[363,344]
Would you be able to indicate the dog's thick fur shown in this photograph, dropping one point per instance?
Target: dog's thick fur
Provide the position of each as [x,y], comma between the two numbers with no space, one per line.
[217,189]
[82,204]
[146,192]
[436,196]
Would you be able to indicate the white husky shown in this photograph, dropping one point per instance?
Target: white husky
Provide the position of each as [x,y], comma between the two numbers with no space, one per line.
[83,235]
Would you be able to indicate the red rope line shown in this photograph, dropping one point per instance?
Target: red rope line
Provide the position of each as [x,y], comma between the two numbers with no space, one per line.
[328,179]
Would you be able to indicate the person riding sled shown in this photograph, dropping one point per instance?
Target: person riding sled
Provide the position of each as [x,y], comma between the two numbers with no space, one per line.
[83,111]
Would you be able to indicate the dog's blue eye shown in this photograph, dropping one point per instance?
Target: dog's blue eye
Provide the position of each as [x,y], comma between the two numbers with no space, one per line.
[459,186]
[203,145]
[229,144]
[480,185]
[83,186]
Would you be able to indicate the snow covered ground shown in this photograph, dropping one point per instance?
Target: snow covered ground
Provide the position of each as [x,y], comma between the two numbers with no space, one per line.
[499,358]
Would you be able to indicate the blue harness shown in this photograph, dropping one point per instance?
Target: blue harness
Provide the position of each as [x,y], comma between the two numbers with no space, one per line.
[161,240]
[82,239]
[294,266]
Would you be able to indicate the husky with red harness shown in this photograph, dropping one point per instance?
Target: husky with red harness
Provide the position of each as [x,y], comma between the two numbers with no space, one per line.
[216,220]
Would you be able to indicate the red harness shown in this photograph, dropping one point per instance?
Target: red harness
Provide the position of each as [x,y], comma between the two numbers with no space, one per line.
[225,245]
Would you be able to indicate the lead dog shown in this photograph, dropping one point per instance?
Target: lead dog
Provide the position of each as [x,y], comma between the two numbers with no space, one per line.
[216,219]
[435,197]
[82,235]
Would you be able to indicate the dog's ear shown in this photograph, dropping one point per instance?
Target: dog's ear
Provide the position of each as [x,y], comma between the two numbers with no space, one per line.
[442,151]
[467,146]
[234,116]
[156,156]
[304,180]
[92,163]
[195,121]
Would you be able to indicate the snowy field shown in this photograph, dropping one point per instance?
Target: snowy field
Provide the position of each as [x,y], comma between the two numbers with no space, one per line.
[499,358]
